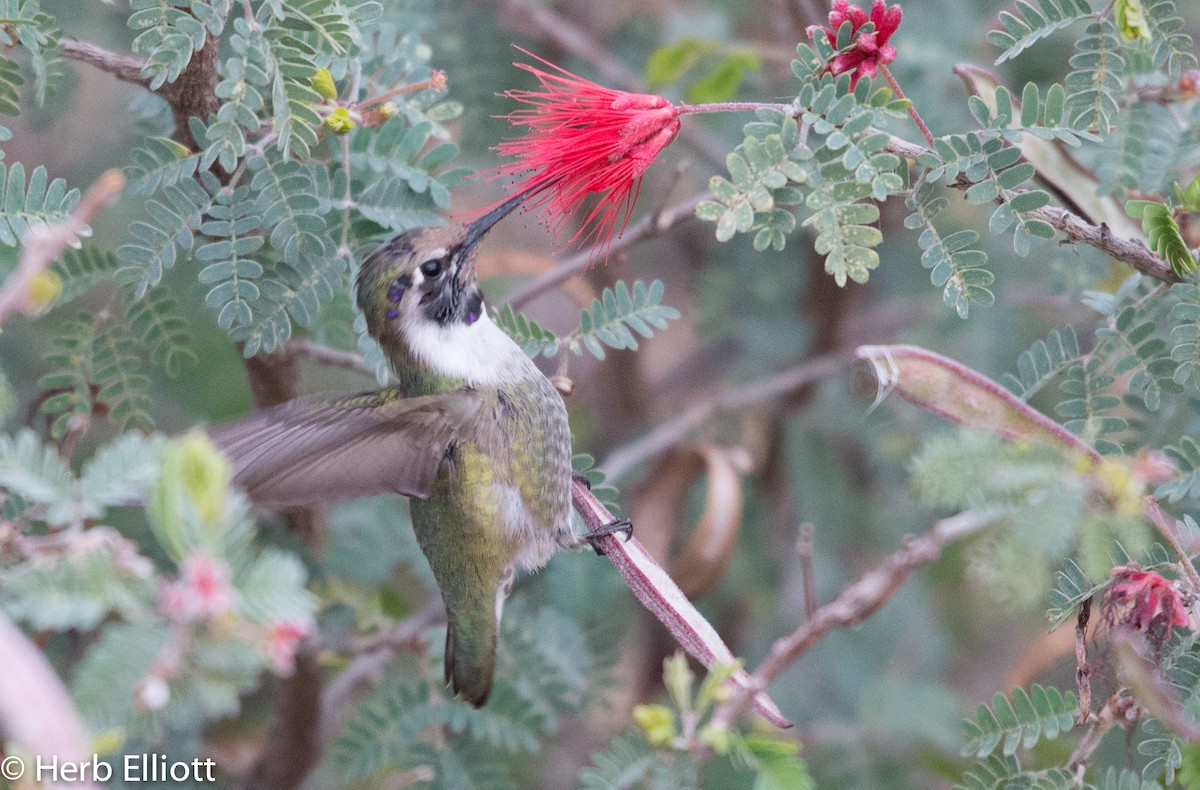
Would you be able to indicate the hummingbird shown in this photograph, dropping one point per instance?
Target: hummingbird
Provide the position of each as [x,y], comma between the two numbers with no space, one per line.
[473,433]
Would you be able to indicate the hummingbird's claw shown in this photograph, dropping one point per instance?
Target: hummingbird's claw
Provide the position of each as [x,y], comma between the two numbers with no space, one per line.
[611,528]
[582,478]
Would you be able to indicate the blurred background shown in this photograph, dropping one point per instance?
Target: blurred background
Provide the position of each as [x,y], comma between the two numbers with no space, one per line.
[878,705]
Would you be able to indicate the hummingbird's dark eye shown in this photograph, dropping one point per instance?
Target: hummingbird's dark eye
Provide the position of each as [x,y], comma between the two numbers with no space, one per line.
[431,268]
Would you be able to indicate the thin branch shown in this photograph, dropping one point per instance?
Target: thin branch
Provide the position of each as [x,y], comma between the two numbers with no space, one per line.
[124,67]
[668,434]
[1075,228]
[649,226]
[43,243]
[1105,719]
[857,602]
[372,654]
[808,578]
[1154,514]
[330,357]
[1083,669]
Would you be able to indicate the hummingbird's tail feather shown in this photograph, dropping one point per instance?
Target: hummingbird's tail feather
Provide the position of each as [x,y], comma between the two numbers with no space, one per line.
[471,659]
[472,630]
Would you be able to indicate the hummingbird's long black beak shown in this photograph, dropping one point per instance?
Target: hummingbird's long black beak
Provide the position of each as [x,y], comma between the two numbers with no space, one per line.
[477,229]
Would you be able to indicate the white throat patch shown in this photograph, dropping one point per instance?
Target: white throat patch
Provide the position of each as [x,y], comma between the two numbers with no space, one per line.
[481,353]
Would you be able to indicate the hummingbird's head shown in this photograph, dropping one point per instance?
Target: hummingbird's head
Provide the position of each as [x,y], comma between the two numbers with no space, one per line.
[420,294]
[426,276]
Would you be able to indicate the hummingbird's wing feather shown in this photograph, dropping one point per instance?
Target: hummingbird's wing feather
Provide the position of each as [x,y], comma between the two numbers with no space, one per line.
[309,451]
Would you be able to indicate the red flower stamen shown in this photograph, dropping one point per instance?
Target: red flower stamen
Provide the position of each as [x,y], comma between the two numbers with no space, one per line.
[585,148]
[869,50]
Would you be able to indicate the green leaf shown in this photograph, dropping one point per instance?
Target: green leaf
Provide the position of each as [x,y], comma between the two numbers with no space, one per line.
[617,312]
[1021,723]
[1164,234]
[42,201]
[1031,25]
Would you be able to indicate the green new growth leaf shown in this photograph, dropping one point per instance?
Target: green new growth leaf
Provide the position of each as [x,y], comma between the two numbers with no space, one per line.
[528,334]
[1166,239]
[1043,712]
[272,589]
[78,588]
[34,471]
[615,313]
[1030,25]
[1189,197]
[37,203]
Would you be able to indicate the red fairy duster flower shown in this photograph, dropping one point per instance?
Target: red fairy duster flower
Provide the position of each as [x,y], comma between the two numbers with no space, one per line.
[203,590]
[1146,601]
[585,146]
[868,50]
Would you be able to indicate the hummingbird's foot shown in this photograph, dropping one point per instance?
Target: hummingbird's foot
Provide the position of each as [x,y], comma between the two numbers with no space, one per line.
[611,528]
[581,478]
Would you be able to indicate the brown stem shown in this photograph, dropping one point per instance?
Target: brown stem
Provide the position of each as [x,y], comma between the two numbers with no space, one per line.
[857,602]
[671,432]
[325,355]
[1083,670]
[647,227]
[292,748]
[437,80]
[1107,718]
[1155,515]
[804,554]
[124,67]
[1077,230]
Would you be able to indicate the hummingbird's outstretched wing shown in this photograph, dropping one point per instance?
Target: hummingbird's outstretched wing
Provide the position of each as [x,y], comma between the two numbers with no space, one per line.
[310,450]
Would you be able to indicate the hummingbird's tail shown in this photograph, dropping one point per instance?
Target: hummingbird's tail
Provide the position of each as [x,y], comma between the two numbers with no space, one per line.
[471,659]
[471,635]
